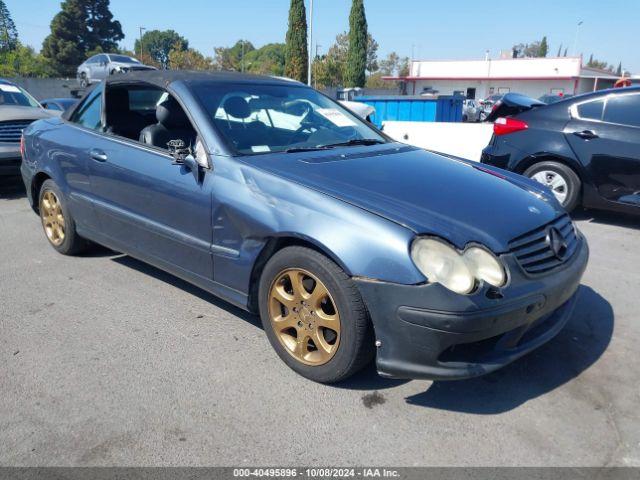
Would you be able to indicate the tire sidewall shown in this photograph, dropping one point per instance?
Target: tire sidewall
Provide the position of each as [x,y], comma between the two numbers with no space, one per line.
[567,174]
[347,348]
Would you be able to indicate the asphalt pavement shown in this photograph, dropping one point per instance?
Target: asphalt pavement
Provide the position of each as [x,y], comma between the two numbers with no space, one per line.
[107,361]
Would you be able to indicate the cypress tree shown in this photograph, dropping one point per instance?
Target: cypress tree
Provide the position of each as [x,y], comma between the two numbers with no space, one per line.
[357,55]
[296,56]
[619,70]
[8,31]
[544,47]
[80,27]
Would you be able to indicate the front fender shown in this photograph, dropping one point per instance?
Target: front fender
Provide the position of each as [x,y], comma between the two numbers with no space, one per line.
[250,207]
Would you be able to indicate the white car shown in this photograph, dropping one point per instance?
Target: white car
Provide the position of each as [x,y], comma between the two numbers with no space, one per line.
[97,68]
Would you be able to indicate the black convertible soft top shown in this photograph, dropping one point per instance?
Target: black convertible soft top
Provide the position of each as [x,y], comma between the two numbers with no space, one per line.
[162,78]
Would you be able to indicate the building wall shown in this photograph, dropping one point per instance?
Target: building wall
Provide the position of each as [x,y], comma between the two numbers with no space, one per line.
[484,88]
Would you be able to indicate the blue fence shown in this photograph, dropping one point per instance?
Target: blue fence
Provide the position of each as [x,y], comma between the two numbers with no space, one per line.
[444,108]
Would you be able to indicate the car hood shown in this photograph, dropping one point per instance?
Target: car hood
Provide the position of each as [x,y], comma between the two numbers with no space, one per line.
[16,112]
[428,193]
[132,66]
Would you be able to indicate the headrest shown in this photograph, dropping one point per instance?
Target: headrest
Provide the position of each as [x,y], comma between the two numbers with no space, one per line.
[171,115]
[237,107]
[117,100]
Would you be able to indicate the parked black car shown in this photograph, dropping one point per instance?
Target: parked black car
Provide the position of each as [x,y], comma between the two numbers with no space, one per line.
[17,110]
[586,149]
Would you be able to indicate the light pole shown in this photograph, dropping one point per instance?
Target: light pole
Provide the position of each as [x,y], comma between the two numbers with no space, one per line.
[575,40]
[310,42]
[142,29]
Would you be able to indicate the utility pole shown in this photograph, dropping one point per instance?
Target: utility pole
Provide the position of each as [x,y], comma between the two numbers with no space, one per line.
[310,42]
[142,29]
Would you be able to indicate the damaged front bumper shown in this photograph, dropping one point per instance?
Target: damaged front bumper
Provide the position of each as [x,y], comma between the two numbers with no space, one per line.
[426,331]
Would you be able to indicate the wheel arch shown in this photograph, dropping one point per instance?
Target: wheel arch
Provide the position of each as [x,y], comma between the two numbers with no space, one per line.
[272,246]
[36,185]
[531,160]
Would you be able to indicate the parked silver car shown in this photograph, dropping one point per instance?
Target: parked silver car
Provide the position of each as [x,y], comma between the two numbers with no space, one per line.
[100,66]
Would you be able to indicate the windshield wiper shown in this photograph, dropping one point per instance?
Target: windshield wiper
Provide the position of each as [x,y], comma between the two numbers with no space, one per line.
[306,149]
[355,141]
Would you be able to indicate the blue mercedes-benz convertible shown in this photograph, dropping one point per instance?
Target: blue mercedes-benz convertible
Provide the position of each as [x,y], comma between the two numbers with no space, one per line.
[279,200]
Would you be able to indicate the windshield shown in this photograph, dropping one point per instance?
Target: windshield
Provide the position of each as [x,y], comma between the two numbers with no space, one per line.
[255,119]
[14,95]
[123,59]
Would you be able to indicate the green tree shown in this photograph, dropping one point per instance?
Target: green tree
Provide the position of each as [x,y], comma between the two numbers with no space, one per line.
[544,48]
[22,61]
[8,31]
[266,60]
[156,45]
[559,50]
[296,55]
[189,59]
[355,75]
[619,69]
[232,58]
[82,26]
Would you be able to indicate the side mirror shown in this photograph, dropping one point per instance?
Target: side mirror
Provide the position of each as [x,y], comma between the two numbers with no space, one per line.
[183,155]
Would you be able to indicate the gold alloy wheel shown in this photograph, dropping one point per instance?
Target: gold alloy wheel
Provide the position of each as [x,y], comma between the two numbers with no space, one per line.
[304,316]
[52,218]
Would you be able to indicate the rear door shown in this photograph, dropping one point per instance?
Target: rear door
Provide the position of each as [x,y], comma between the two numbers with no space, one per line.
[605,135]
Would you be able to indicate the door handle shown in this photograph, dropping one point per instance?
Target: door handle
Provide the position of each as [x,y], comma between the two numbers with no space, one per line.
[586,134]
[98,155]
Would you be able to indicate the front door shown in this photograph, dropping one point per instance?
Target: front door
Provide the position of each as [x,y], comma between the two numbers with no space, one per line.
[155,208]
[605,135]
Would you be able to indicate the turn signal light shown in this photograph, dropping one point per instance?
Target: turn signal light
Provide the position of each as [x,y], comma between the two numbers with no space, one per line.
[505,126]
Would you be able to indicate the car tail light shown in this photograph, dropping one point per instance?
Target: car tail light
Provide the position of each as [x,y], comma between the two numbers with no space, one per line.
[22,147]
[505,126]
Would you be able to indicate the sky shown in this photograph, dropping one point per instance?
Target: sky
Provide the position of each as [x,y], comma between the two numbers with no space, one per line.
[420,29]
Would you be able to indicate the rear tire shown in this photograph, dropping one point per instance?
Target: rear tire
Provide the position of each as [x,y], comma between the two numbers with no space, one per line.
[561,179]
[83,80]
[347,346]
[57,222]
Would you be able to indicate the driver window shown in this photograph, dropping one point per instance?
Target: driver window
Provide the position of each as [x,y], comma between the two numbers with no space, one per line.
[88,115]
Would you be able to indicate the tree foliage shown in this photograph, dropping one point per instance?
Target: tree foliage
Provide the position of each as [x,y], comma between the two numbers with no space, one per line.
[599,64]
[537,49]
[296,54]
[157,44]
[330,70]
[23,61]
[355,75]
[544,47]
[188,59]
[8,31]
[82,26]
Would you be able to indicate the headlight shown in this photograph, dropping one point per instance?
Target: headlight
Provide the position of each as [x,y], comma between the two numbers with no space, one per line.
[459,272]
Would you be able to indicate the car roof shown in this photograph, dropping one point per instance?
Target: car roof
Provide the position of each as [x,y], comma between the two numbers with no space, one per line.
[7,82]
[163,78]
[601,93]
[59,99]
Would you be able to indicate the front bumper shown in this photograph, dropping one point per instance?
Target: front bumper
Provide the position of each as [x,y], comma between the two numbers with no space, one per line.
[426,331]
[9,159]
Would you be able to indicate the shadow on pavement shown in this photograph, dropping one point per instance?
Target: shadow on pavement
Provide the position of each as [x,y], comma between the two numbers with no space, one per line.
[11,188]
[607,218]
[187,287]
[576,348]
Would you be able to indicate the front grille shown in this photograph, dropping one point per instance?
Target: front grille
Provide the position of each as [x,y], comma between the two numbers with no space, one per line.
[535,252]
[12,130]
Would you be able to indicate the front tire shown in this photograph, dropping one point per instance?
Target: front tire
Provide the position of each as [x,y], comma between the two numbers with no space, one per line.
[57,222]
[314,316]
[561,179]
